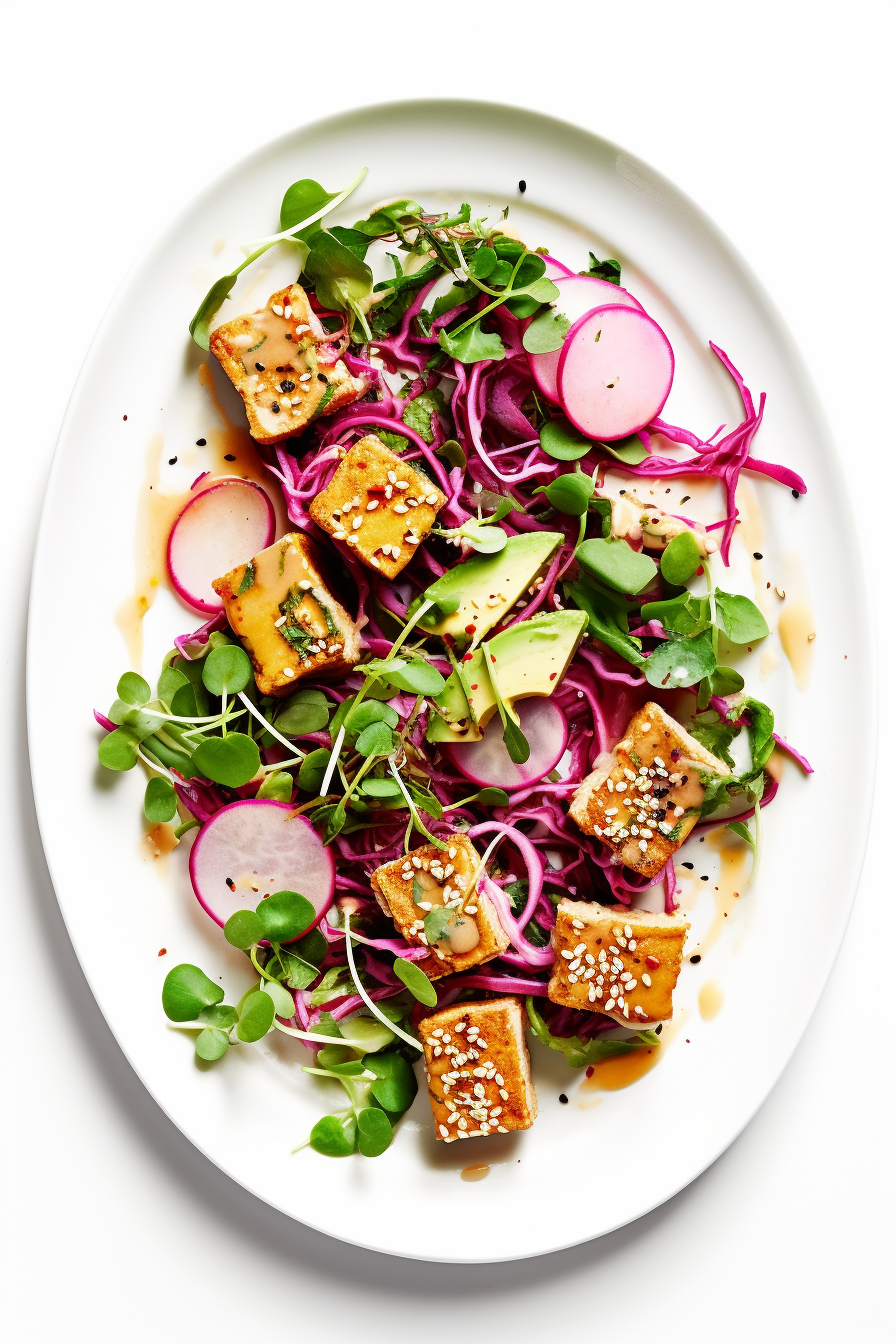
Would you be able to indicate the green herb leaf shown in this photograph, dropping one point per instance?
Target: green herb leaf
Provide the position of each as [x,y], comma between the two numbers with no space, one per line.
[607,619]
[277,785]
[483,262]
[284,1004]
[570,493]
[298,972]
[381,788]
[435,923]
[396,1085]
[247,580]
[486,540]
[472,345]
[256,1016]
[375,740]
[367,1034]
[453,453]
[419,984]
[742,620]
[374,1132]
[232,760]
[683,615]
[680,661]
[300,200]
[311,771]
[220,1015]
[243,929]
[493,797]
[630,450]
[341,280]
[740,828]
[353,239]
[515,741]
[419,677]
[159,801]
[681,559]
[417,414]
[368,712]
[132,689]
[285,915]
[546,333]
[333,1139]
[604,270]
[455,297]
[388,219]
[226,670]
[580,1052]
[616,564]
[118,750]
[212,1043]
[715,736]
[202,318]
[560,441]
[186,991]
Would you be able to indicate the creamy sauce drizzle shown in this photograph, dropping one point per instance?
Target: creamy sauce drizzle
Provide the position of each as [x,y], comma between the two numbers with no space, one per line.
[158,842]
[796,624]
[734,859]
[710,1000]
[475,1173]
[751,530]
[621,1071]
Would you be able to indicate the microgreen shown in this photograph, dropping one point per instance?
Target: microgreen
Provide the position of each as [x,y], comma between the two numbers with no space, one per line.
[278,785]
[741,619]
[375,740]
[604,270]
[256,1016]
[305,712]
[607,618]
[681,559]
[546,332]
[417,414]
[569,493]
[118,749]
[681,661]
[560,441]
[614,563]
[226,670]
[284,1004]
[419,984]
[374,1132]
[186,991]
[232,760]
[472,345]
[160,800]
[515,740]
[630,450]
[132,689]
[333,1137]
[340,278]
[312,770]
[453,453]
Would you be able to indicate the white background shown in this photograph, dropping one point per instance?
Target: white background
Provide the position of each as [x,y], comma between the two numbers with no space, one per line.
[775,118]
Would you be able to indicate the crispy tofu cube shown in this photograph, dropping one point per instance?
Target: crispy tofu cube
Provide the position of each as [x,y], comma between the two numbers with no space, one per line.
[287,618]
[644,800]
[430,879]
[280,362]
[610,959]
[477,1069]
[378,505]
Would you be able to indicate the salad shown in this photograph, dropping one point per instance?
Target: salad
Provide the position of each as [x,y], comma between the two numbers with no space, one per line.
[434,744]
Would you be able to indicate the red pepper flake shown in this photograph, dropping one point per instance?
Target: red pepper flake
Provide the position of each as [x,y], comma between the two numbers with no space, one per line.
[676,754]
[699,571]
[124,417]
[162,951]
[589,1072]
[467,658]
[474,686]
[230,882]
[362,466]
[552,676]
[652,963]
[469,629]
[493,658]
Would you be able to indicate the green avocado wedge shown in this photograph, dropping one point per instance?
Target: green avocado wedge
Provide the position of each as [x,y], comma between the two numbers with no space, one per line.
[488,586]
[531,658]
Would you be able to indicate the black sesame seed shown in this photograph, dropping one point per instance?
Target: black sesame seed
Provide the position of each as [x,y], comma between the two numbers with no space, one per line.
[563,1098]
[704,879]
[200,443]
[276,408]
[622,492]
[795,493]
[171,461]
[322,378]
[229,457]
[281,368]
[259,366]
[287,386]
[757,555]
[695,958]
[659,1028]
[687,865]
[522,189]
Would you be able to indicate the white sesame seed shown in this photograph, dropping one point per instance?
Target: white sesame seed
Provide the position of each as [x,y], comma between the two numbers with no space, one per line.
[642,845]
[289,672]
[565,952]
[372,504]
[356,523]
[579,949]
[627,930]
[277,309]
[632,945]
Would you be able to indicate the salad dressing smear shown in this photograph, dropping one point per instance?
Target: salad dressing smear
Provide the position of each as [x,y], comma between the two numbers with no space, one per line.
[796,624]
[710,1000]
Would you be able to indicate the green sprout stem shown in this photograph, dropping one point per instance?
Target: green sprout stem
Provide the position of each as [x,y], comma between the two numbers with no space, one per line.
[334,758]
[415,815]
[268,727]
[362,992]
[261,244]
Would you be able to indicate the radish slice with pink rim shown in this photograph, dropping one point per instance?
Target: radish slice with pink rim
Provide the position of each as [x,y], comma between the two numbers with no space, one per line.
[554,269]
[487,762]
[253,848]
[579,294]
[615,374]
[225,525]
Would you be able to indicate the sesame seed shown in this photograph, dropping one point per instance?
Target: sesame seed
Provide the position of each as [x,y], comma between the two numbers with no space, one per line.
[566,954]
[356,523]
[277,309]
[372,504]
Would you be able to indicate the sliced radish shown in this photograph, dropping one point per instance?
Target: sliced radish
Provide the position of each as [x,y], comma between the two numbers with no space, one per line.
[487,762]
[225,525]
[554,269]
[251,849]
[615,372]
[579,294]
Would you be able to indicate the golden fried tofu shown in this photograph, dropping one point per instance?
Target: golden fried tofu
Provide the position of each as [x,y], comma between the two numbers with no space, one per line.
[378,505]
[287,618]
[477,1069]
[431,879]
[280,361]
[643,801]
[614,960]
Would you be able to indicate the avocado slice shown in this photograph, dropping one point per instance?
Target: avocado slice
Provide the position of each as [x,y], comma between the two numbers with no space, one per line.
[531,659]
[488,586]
